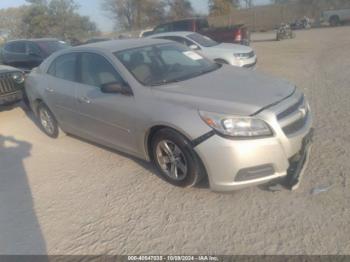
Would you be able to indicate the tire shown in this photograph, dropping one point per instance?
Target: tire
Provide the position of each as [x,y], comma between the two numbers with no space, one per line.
[184,160]
[47,121]
[334,21]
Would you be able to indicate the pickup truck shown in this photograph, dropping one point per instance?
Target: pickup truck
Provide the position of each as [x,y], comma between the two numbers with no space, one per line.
[336,17]
[238,34]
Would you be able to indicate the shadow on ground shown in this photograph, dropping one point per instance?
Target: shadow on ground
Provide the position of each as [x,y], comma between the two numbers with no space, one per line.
[20,231]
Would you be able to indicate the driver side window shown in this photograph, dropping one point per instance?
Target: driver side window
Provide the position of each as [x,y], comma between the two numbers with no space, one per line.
[97,71]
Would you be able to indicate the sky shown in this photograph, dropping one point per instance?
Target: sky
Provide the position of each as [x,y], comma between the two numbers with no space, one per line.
[92,8]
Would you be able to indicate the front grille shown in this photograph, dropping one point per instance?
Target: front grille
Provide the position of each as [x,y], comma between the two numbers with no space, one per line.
[294,117]
[291,109]
[295,126]
[7,85]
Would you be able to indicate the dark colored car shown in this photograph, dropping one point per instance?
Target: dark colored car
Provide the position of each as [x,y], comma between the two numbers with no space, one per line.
[11,85]
[238,34]
[27,54]
[97,39]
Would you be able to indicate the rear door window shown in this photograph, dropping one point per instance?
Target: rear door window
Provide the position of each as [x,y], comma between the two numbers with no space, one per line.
[163,28]
[182,26]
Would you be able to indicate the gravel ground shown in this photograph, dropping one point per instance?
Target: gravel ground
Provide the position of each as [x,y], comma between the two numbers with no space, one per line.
[67,196]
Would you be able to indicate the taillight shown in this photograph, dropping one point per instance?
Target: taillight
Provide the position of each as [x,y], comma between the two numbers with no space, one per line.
[238,36]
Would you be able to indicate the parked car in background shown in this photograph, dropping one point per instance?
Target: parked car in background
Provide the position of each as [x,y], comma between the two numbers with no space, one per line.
[298,24]
[146,32]
[11,85]
[29,53]
[224,53]
[97,39]
[160,101]
[238,34]
[336,17]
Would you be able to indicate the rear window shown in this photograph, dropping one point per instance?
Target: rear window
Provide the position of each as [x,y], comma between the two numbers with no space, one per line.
[182,26]
[50,47]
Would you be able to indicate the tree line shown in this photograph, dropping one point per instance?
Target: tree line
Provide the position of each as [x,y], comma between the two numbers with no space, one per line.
[43,18]
[137,14]
[60,18]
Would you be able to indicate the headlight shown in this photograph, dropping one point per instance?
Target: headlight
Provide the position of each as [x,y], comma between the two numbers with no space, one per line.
[238,127]
[18,77]
[240,56]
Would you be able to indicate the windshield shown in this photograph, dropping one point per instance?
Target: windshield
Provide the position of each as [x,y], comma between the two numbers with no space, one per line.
[203,40]
[50,47]
[166,63]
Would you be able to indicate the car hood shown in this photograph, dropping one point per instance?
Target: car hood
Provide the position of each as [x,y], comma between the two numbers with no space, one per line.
[228,90]
[232,48]
[5,69]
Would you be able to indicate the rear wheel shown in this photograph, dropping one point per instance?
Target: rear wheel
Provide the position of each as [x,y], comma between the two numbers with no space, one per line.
[334,21]
[175,158]
[47,121]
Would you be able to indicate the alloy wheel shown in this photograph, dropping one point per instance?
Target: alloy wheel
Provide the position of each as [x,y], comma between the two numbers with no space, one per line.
[171,160]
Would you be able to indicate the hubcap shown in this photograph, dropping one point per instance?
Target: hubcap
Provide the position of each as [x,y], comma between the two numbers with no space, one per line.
[46,121]
[171,160]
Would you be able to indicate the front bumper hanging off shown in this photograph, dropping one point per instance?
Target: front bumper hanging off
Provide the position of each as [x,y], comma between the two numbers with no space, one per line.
[298,163]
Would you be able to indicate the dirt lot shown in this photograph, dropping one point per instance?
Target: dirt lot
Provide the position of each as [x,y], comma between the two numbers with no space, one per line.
[68,196]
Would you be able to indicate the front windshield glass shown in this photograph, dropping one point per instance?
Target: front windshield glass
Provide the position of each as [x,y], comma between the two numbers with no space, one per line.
[203,40]
[166,63]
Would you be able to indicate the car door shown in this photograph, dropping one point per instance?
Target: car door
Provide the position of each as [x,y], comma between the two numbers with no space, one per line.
[60,90]
[106,117]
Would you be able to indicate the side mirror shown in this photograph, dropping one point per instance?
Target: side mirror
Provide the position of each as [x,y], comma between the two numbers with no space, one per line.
[116,88]
[194,47]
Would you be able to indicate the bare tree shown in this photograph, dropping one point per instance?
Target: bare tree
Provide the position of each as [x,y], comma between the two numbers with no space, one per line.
[11,21]
[179,9]
[135,14]
[222,7]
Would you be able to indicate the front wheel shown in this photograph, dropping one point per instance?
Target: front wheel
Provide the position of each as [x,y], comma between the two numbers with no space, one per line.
[175,159]
[47,121]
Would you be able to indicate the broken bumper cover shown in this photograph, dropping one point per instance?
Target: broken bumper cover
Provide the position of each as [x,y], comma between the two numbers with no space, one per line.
[236,164]
[298,163]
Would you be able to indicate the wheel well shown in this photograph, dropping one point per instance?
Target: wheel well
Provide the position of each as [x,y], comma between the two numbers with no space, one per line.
[150,136]
[221,61]
[334,18]
[36,103]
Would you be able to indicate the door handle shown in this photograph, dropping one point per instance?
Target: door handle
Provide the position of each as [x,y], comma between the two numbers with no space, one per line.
[84,99]
[48,89]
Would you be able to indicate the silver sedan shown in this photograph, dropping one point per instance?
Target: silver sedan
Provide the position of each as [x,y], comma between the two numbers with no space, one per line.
[162,102]
[224,53]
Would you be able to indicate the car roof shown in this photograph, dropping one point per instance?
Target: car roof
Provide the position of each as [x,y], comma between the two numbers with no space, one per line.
[122,44]
[175,33]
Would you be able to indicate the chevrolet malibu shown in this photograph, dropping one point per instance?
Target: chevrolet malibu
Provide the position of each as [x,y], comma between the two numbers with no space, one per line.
[159,101]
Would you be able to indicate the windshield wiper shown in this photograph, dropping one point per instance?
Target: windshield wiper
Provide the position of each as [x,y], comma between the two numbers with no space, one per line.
[185,77]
